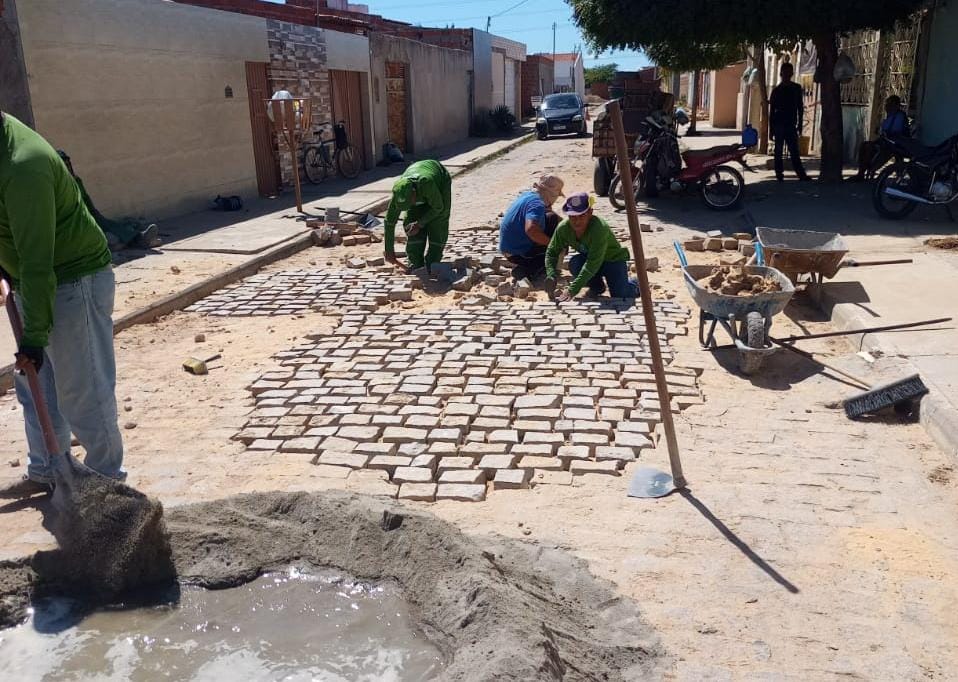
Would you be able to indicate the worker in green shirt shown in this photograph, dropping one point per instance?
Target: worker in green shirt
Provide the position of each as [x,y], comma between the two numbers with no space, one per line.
[59,263]
[424,192]
[600,262]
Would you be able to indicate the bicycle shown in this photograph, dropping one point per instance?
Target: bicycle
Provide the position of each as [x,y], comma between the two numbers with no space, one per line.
[318,161]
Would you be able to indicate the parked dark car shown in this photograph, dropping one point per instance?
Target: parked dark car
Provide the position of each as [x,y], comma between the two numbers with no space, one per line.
[561,114]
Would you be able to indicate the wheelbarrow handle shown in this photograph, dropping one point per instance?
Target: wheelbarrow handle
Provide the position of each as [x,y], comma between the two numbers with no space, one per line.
[681,252]
[43,414]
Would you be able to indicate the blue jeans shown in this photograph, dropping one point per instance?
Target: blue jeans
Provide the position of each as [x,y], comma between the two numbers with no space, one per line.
[615,275]
[78,379]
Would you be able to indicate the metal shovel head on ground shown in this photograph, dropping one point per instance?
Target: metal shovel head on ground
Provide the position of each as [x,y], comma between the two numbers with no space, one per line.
[112,537]
[367,221]
[650,483]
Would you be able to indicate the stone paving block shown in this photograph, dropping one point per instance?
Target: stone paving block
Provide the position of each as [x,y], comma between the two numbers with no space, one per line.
[425,461]
[418,492]
[269,444]
[505,436]
[359,433]
[398,434]
[538,401]
[330,471]
[461,493]
[389,463]
[511,479]
[336,444]
[412,475]
[463,476]
[374,449]
[589,440]
[444,436]
[411,449]
[581,467]
[571,453]
[343,459]
[632,440]
[490,463]
[537,437]
[532,450]
[543,463]
[477,450]
[300,445]
[454,463]
[615,453]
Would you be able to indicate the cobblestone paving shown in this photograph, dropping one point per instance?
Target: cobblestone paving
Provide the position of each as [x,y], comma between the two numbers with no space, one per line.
[299,291]
[446,402]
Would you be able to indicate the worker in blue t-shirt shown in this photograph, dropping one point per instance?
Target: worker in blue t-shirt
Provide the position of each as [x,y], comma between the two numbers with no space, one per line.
[873,155]
[527,227]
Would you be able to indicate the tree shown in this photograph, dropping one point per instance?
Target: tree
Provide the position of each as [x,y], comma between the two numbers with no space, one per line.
[600,74]
[695,58]
[636,24]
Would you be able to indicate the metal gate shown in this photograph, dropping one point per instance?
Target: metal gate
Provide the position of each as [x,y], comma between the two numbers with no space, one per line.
[264,149]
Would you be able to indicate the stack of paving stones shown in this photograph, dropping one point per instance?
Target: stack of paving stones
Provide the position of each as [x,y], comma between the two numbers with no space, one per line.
[299,291]
[449,404]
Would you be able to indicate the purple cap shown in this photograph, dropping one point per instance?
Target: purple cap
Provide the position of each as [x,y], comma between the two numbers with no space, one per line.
[577,204]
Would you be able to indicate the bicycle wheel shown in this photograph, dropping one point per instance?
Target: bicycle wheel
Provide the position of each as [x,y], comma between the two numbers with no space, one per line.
[348,161]
[314,167]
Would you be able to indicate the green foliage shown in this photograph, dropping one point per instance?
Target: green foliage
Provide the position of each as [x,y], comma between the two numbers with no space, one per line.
[636,24]
[694,57]
[600,74]
[502,118]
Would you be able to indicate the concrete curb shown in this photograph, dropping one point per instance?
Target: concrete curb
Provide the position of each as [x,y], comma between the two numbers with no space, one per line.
[937,415]
[192,294]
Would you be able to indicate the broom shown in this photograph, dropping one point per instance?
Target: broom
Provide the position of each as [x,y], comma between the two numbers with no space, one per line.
[874,399]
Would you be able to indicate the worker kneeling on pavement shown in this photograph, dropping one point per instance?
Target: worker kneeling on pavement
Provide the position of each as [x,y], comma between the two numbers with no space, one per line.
[600,263]
[59,262]
[424,192]
[528,226]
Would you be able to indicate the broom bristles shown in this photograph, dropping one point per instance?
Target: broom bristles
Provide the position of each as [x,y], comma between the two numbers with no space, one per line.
[886,395]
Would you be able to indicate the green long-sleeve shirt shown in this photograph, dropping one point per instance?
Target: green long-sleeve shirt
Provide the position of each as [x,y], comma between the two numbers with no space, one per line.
[433,188]
[598,244]
[47,235]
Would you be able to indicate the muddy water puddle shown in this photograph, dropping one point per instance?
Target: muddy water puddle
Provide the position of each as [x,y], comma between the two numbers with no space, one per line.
[294,625]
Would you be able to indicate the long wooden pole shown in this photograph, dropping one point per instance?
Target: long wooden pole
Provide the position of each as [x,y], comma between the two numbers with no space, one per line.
[614,111]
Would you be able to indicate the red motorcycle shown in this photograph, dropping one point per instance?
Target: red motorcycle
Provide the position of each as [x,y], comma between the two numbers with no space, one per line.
[660,166]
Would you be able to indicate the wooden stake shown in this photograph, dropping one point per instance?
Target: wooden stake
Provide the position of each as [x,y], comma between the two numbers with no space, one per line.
[614,111]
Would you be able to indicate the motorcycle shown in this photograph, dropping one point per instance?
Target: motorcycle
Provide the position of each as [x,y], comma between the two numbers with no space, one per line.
[659,165]
[929,177]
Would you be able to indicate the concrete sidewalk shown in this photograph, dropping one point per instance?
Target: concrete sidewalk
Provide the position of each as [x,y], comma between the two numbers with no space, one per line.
[216,247]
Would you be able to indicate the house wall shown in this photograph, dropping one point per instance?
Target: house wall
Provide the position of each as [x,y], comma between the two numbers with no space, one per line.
[725,87]
[14,91]
[538,80]
[482,71]
[437,90]
[134,90]
[940,100]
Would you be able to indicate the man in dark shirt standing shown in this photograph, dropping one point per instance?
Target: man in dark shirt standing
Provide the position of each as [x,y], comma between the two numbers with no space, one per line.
[785,118]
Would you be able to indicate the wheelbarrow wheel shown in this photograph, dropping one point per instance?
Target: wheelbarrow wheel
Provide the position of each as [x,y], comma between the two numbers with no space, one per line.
[750,363]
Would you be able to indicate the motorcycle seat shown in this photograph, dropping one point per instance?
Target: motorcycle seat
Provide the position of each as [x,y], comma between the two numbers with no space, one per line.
[917,150]
[710,152]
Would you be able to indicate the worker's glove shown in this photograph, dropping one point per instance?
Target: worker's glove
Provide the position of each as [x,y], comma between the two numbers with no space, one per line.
[31,354]
[412,229]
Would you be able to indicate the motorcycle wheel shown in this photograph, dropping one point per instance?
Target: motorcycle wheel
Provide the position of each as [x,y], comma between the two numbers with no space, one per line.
[723,188]
[602,175]
[889,207]
[616,197]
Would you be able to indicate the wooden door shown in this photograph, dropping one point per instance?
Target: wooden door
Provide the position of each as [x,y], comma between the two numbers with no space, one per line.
[396,107]
[264,146]
[347,95]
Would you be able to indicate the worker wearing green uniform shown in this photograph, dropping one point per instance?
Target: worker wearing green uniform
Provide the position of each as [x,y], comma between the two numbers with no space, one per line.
[600,262]
[59,262]
[424,192]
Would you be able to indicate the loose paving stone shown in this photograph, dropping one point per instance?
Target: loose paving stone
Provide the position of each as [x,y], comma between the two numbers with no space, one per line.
[461,492]
[505,390]
[418,492]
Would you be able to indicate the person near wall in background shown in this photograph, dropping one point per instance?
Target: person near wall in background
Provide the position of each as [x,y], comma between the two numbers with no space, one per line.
[786,111]
[600,262]
[60,266]
[424,193]
[122,233]
[528,225]
[873,154]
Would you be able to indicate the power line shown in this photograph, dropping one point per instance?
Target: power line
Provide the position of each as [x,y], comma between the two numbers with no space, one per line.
[505,11]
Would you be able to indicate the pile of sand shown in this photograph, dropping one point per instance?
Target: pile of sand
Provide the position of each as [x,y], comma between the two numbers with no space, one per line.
[498,609]
[734,281]
[943,242]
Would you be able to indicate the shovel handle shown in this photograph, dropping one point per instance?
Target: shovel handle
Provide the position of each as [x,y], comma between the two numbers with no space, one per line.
[867,263]
[33,381]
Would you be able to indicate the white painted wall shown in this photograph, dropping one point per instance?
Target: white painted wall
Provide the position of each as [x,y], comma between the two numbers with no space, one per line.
[346,51]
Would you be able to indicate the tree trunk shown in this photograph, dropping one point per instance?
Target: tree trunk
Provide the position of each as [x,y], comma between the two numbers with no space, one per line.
[694,126]
[763,94]
[831,97]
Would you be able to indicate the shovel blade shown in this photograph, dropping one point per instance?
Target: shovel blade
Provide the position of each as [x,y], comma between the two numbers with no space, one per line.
[650,483]
[369,221]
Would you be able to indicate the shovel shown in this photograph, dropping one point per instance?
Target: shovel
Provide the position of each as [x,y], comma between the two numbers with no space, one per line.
[367,220]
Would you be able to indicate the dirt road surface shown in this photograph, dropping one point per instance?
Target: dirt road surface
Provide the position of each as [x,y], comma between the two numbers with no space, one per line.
[808,547]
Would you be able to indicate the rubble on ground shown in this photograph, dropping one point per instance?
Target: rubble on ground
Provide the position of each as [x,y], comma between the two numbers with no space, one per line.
[734,281]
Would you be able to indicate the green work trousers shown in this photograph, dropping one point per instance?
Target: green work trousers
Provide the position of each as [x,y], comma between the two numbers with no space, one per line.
[435,233]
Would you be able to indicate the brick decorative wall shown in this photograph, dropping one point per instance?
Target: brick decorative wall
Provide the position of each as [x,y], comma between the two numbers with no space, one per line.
[298,64]
[536,68]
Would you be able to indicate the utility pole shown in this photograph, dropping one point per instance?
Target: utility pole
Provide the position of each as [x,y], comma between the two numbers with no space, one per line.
[554,43]
[488,23]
